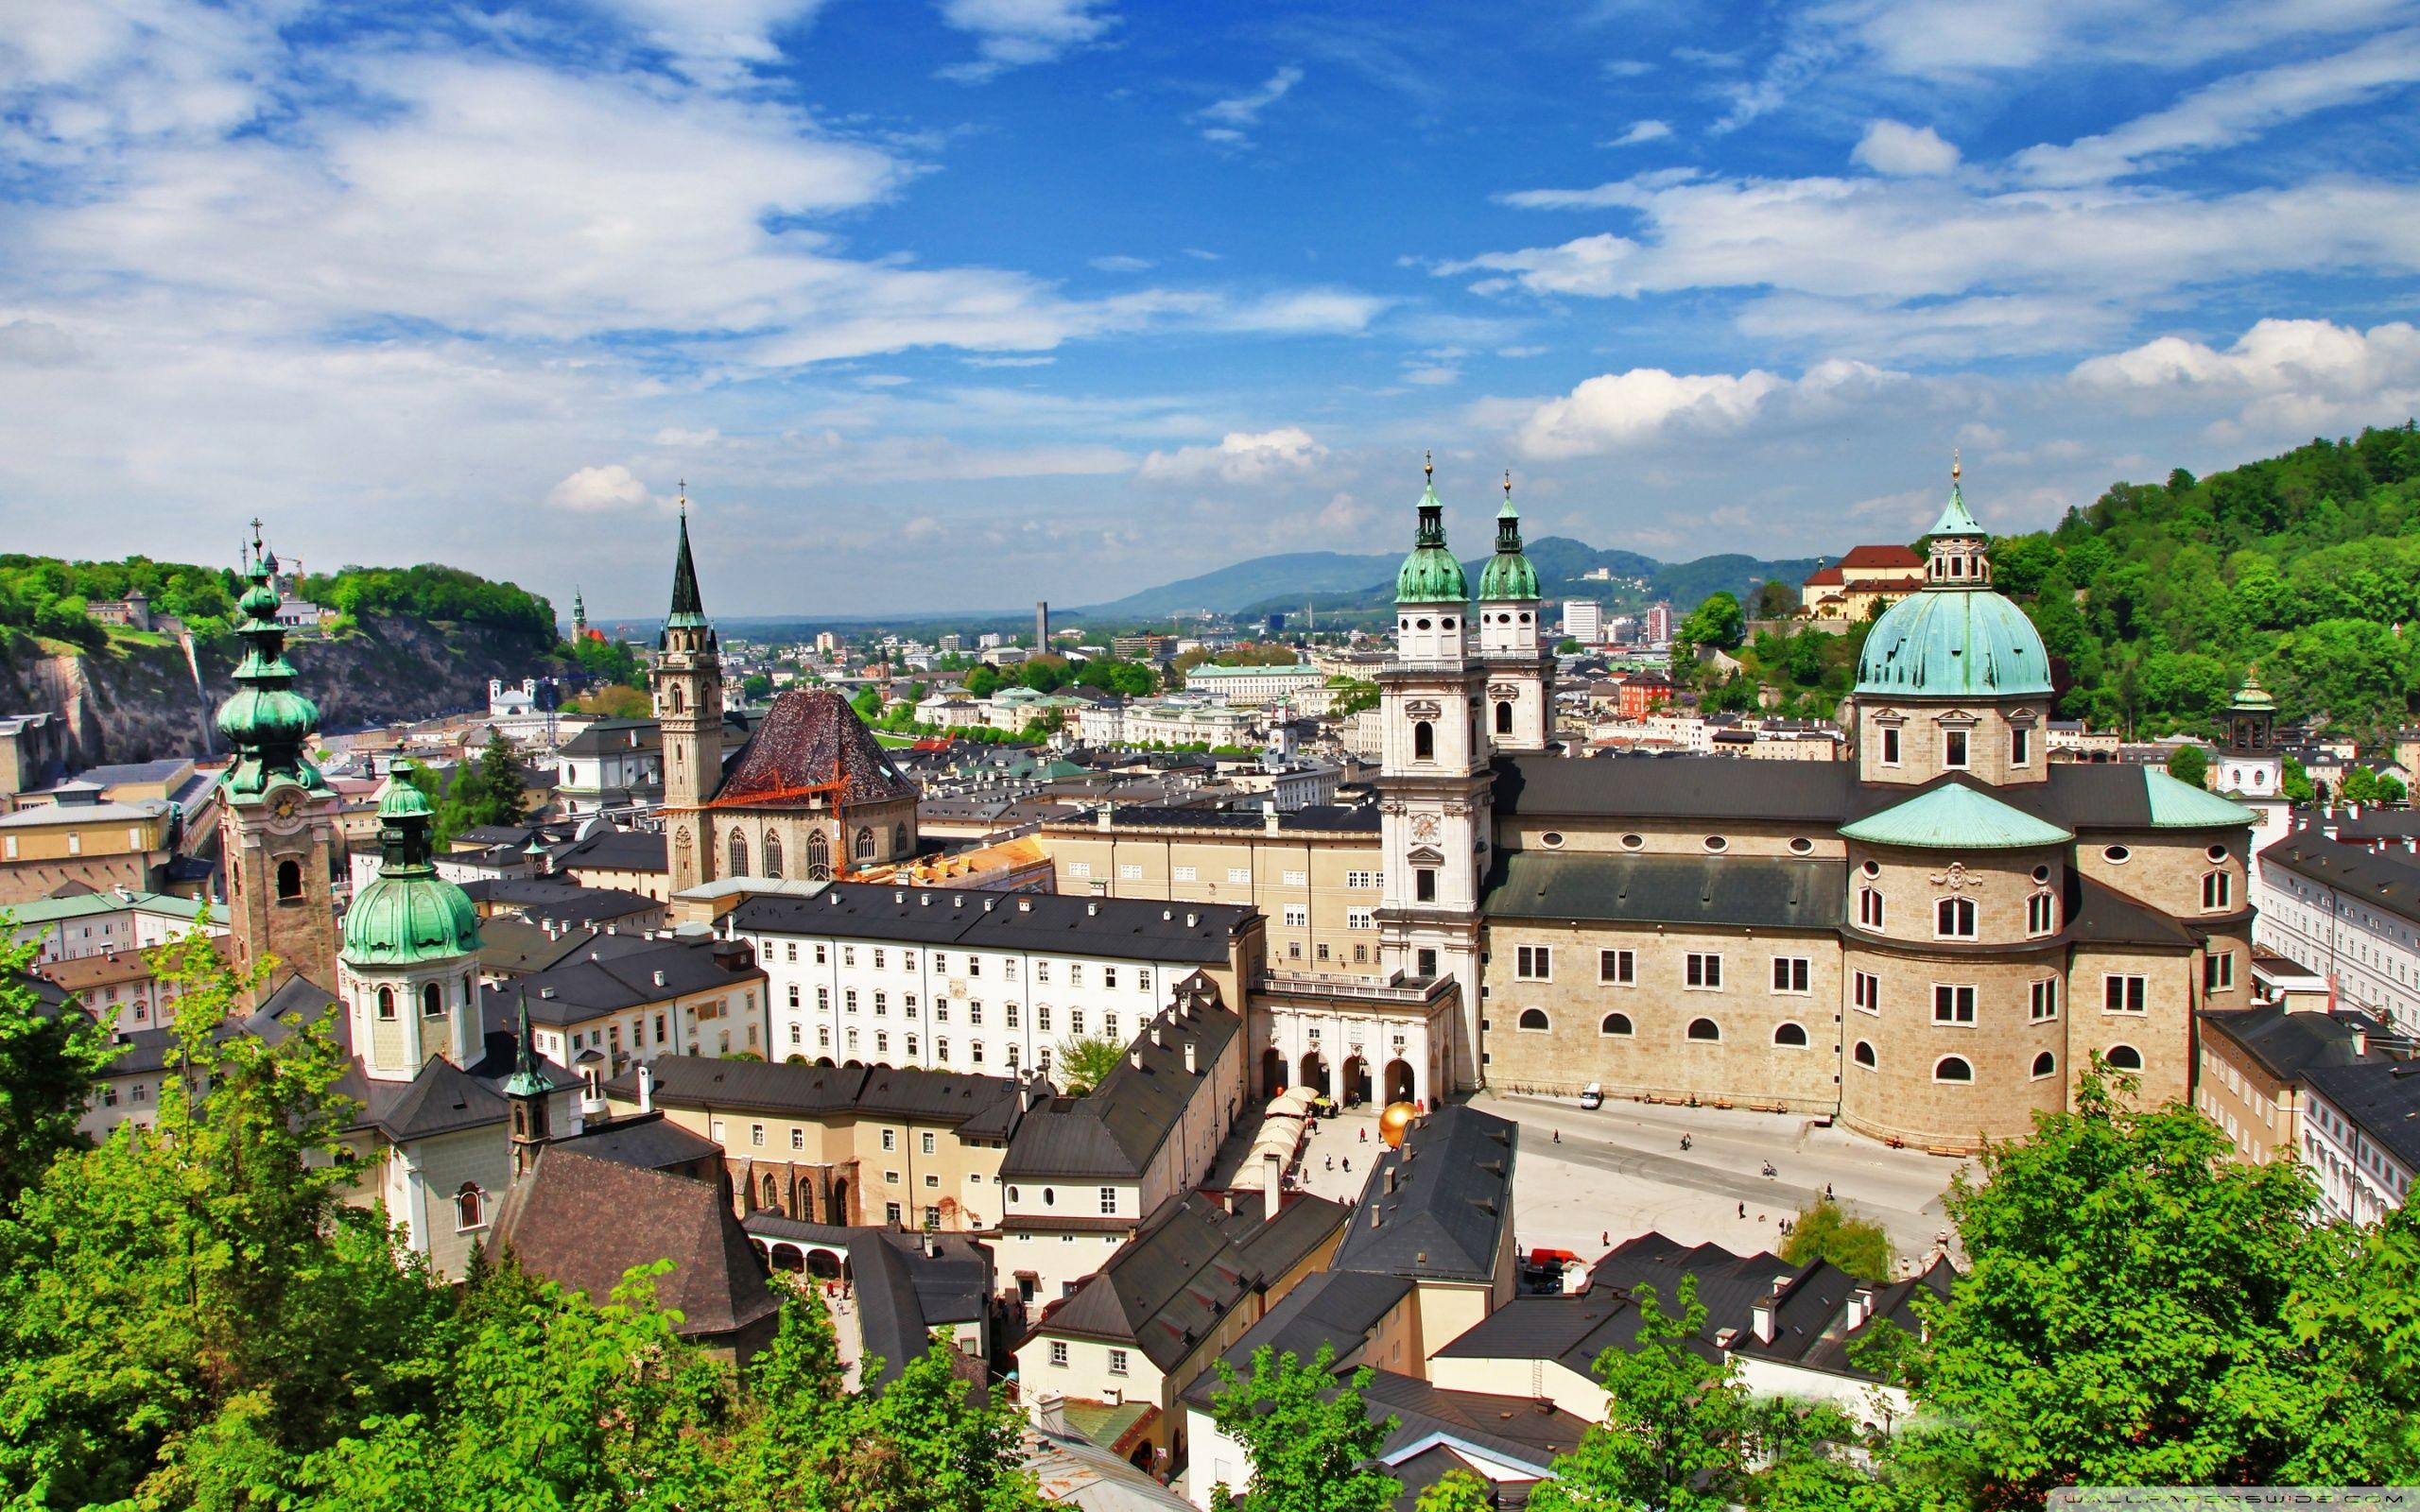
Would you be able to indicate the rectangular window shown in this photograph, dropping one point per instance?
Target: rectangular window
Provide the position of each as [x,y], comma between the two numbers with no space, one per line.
[1075,1021]
[1117,1362]
[2041,913]
[1109,1202]
[1423,880]
[1534,963]
[1360,879]
[973,1011]
[1239,874]
[1869,908]
[793,950]
[1704,972]
[881,1004]
[1952,1005]
[1789,974]
[793,994]
[820,958]
[1013,1015]
[889,1140]
[1298,879]
[823,999]
[1361,918]
[1059,1352]
[1297,916]
[1042,970]
[2218,972]
[2045,1004]
[756,1134]
[974,965]
[1184,874]
[2121,995]
[1129,871]
[2020,747]
[890,1213]
[932,1180]
[1109,976]
[1075,973]
[1953,748]
[849,999]
[848,956]
[1890,744]
[1042,1017]
[924,1141]
[1865,992]
[2218,892]
[798,1138]
[908,1003]
[878,958]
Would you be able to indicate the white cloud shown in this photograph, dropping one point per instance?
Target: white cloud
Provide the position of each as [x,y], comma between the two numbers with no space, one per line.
[1302,311]
[1617,409]
[686,437]
[1241,457]
[1597,264]
[599,491]
[1904,151]
[2229,111]
[1642,132]
[1007,362]
[1120,263]
[1016,33]
[2283,379]
[1432,374]
[1231,120]
[715,39]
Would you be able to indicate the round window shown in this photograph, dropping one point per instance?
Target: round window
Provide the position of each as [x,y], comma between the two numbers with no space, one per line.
[2217,853]
[1632,842]
[1424,624]
[2041,874]
[2115,855]
[1872,868]
[1552,840]
[1525,616]
[1012,1193]
[1717,844]
[1049,1198]
[1801,846]
[1447,622]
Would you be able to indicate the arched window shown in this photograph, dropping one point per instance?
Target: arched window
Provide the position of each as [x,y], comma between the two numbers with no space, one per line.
[2045,1064]
[676,697]
[1503,716]
[738,854]
[1951,1068]
[818,857]
[470,1207]
[1954,918]
[1615,1024]
[1865,1053]
[386,1003]
[1424,741]
[289,879]
[2218,892]
[773,1193]
[1534,1018]
[432,1000]
[2125,1057]
[1790,1034]
[1705,1029]
[899,841]
[1869,908]
[772,855]
[865,844]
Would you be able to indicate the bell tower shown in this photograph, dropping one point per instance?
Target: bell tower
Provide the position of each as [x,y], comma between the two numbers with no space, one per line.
[278,829]
[1520,669]
[409,975]
[687,682]
[1436,802]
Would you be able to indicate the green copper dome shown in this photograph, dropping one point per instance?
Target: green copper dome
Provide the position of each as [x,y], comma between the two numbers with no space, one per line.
[1955,638]
[408,914]
[1955,817]
[1508,573]
[1431,574]
[266,722]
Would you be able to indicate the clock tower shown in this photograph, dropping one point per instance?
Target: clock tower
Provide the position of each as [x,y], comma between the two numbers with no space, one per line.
[278,833]
[688,710]
[1436,804]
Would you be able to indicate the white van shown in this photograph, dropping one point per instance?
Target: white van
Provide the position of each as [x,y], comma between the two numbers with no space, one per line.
[1592,1095]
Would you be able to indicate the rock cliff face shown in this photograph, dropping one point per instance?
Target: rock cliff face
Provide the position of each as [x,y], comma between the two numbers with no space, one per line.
[142,704]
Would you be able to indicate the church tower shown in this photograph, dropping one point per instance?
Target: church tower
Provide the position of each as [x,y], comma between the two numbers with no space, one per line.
[409,977]
[1435,789]
[2251,770]
[277,831]
[527,1089]
[687,682]
[579,617]
[1520,669]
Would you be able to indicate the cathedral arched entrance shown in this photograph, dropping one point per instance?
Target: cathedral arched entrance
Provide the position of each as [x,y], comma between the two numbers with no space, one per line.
[1356,1080]
[1399,1082]
[1272,1072]
[1315,1073]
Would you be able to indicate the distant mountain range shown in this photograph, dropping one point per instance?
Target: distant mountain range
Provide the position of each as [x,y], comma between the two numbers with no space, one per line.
[1346,583]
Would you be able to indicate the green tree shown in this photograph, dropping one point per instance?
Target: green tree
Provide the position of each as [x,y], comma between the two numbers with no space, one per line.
[608,661]
[1312,1442]
[1718,622]
[192,1305]
[1084,1062]
[1353,694]
[1676,1423]
[2360,785]
[2129,1317]
[757,687]
[614,702]
[47,1063]
[2293,780]
[1825,1230]
[983,682]
[2189,763]
[1457,1490]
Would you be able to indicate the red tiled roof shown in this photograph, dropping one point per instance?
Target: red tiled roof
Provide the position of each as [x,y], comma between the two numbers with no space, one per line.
[1881,557]
[1824,577]
[812,742]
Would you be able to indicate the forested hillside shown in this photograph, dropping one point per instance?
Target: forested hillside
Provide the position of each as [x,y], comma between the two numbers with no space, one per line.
[2155,599]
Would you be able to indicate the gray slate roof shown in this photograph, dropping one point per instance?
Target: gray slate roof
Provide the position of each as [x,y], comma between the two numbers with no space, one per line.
[2288,1044]
[578,990]
[1118,928]
[1119,1128]
[2384,1105]
[1765,892]
[1437,1208]
[927,1097]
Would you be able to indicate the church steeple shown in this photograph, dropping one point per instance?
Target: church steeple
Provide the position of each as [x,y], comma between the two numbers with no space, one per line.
[266,722]
[688,608]
[1508,575]
[578,616]
[688,683]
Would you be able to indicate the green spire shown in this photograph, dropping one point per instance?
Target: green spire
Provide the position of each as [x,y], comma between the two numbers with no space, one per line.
[1955,520]
[2251,697]
[1431,574]
[688,608]
[579,614]
[266,722]
[1508,573]
[526,1079]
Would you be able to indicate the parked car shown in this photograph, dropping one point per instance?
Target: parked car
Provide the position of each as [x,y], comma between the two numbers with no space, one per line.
[1592,1095]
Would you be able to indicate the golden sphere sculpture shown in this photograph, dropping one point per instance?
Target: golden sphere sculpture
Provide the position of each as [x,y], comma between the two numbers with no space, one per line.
[1395,1123]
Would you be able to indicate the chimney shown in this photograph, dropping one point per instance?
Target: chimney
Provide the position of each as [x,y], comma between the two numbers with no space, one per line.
[647,1089]
[1190,1055]
[1155,1033]
[1100,818]
[1387,1182]
[930,1243]
[1191,920]
[1763,1313]
[2361,1042]
[1860,1307]
[1268,817]
[659,976]
[1091,909]
[1135,1057]
[1376,1217]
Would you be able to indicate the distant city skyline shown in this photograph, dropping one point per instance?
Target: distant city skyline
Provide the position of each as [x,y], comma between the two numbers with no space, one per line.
[961,303]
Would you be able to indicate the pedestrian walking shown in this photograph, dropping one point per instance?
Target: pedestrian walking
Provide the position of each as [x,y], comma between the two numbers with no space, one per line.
[1331,1162]
[1365,1136]
[1827,1192]
[1743,1210]
[1558,1136]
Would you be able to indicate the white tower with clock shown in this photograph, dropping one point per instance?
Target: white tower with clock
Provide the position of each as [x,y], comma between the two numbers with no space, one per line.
[1435,804]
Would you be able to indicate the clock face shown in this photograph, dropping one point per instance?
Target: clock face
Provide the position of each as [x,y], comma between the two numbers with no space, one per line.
[286,807]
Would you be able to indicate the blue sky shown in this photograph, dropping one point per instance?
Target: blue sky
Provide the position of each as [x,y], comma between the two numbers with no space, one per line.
[956,305]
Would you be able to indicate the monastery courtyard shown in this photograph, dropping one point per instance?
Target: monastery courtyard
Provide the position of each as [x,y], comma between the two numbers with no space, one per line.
[1619,1171]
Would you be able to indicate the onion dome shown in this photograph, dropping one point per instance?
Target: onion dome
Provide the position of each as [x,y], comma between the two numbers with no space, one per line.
[2252,698]
[1431,574]
[1508,573]
[408,914]
[1955,638]
[266,722]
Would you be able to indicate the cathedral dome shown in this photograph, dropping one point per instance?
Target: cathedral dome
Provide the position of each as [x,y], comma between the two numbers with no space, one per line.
[408,914]
[1960,642]
[1508,573]
[1431,574]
